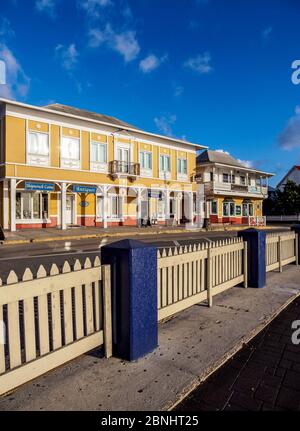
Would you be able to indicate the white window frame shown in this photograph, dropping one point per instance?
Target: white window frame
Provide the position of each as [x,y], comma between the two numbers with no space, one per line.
[146,172]
[163,173]
[97,166]
[110,197]
[180,162]
[32,220]
[37,159]
[68,163]
[229,205]
[211,212]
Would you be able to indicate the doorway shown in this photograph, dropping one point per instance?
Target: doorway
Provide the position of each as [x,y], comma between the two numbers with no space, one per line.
[70,209]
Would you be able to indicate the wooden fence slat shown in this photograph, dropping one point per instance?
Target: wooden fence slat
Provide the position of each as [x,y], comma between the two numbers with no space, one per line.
[107,311]
[89,308]
[13,323]
[29,324]
[209,278]
[68,321]
[79,316]
[43,318]
[2,336]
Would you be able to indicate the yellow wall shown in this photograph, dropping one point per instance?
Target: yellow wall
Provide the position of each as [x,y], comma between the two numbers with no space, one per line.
[15,146]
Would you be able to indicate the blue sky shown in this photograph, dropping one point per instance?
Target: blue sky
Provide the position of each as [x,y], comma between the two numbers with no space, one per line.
[213,72]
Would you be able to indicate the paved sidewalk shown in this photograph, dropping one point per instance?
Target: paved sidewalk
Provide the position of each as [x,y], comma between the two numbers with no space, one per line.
[264,375]
[192,345]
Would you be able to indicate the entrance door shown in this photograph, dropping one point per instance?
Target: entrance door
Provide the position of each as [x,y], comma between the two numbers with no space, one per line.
[70,209]
[144,210]
[123,158]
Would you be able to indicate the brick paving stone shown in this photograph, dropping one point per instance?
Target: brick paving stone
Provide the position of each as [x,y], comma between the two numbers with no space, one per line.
[288,399]
[264,375]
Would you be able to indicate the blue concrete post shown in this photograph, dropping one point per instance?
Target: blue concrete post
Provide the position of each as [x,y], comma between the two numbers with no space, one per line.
[296,228]
[256,241]
[134,297]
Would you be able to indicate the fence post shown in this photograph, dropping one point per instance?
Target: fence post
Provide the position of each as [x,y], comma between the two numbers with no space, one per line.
[256,245]
[134,297]
[279,252]
[296,229]
[209,277]
[245,264]
[296,248]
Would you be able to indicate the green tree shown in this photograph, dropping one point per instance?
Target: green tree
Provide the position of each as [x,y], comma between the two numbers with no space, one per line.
[287,201]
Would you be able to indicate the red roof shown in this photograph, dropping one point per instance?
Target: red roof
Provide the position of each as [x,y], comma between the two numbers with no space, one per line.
[297,167]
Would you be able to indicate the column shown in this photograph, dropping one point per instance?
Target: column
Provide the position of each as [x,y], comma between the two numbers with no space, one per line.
[167,205]
[139,206]
[105,197]
[191,208]
[200,201]
[122,194]
[63,209]
[13,187]
[5,204]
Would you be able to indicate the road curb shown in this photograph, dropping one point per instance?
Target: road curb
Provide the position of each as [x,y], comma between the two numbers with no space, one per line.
[220,362]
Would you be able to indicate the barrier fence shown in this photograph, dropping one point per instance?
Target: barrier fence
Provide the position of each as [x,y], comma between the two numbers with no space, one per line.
[52,319]
[281,250]
[188,275]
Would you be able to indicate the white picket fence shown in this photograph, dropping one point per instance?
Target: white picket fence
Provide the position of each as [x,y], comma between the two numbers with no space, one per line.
[52,319]
[281,250]
[188,275]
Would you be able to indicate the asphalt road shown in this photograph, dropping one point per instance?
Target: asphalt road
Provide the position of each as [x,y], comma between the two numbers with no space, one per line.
[19,257]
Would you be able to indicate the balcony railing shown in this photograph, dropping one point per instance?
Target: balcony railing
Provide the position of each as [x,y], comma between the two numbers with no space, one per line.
[235,188]
[116,167]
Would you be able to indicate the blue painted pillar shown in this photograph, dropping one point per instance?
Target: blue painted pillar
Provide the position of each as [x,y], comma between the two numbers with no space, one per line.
[134,297]
[296,228]
[256,241]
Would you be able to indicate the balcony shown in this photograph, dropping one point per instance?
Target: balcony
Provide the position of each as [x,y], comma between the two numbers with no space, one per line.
[118,168]
[215,187]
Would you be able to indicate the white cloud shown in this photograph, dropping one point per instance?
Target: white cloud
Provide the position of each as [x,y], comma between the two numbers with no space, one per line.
[222,151]
[46,6]
[5,28]
[151,62]
[178,91]
[93,7]
[124,43]
[165,123]
[266,32]
[290,136]
[68,56]
[200,63]
[17,82]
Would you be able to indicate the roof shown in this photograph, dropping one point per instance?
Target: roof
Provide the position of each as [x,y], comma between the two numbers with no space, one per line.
[81,114]
[222,158]
[210,156]
[293,168]
[89,115]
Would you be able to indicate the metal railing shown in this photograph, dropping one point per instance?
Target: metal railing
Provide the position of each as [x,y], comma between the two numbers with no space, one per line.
[128,168]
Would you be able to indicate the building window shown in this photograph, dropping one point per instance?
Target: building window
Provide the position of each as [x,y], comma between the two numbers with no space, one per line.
[161,205]
[99,207]
[164,163]
[146,160]
[238,210]
[242,180]
[70,153]
[214,207]
[32,206]
[232,179]
[182,166]
[247,209]
[113,207]
[211,176]
[228,209]
[98,161]
[225,178]
[38,148]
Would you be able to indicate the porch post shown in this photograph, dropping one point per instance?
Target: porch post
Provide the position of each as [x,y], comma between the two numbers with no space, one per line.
[191,208]
[5,204]
[105,189]
[139,206]
[63,201]
[167,205]
[122,192]
[13,187]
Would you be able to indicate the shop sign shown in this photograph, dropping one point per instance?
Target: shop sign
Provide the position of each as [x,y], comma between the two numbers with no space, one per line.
[84,189]
[42,187]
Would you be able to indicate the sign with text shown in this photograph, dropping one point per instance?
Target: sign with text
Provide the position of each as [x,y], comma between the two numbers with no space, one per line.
[84,189]
[154,194]
[42,187]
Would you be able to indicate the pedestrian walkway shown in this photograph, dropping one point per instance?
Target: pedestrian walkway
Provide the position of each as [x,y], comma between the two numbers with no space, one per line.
[264,375]
[192,345]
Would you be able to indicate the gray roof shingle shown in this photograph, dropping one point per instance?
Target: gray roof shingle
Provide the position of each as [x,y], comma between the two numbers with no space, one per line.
[210,156]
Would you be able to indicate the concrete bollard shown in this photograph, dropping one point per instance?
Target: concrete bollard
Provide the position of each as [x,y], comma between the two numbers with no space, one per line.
[256,241]
[134,297]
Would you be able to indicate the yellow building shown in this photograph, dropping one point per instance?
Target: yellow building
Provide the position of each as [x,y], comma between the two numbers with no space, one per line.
[63,166]
[231,192]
